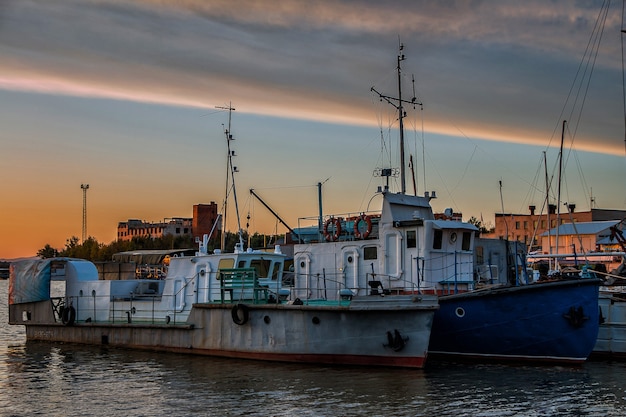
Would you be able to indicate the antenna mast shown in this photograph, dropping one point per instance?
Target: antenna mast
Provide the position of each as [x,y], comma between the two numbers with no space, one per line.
[230,174]
[397,103]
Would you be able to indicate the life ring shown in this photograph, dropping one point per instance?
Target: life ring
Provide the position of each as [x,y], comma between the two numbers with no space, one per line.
[68,315]
[332,237]
[368,230]
[240,314]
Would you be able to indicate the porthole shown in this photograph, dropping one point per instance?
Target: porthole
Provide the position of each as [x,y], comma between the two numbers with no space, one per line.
[267,319]
[349,259]
[452,237]
[316,320]
[460,312]
[302,264]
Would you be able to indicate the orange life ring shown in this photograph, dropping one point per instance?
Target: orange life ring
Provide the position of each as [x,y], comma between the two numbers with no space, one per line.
[368,230]
[334,236]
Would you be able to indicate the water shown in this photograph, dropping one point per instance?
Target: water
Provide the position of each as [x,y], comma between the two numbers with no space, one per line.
[69,380]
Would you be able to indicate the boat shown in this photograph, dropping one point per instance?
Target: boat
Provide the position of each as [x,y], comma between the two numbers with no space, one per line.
[221,304]
[407,249]
[611,341]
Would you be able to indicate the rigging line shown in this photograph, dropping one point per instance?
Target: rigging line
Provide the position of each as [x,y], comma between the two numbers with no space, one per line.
[386,151]
[496,160]
[469,161]
[285,187]
[434,164]
[596,50]
[576,77]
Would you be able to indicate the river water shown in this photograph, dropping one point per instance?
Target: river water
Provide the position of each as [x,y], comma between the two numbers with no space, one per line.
[69,380]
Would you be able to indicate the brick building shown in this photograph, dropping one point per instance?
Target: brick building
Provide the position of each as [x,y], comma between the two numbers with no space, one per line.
[204,217]
[528,228]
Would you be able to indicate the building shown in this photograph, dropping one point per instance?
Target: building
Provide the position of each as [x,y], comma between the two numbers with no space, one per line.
[528,228]
[203,222]
[575,241]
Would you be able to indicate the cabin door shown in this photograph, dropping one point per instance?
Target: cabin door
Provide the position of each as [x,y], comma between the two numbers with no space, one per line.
[350,262]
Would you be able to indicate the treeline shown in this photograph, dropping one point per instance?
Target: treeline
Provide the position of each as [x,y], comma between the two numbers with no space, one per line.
[93,250]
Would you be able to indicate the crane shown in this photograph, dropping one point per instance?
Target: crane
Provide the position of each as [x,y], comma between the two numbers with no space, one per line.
[274,213]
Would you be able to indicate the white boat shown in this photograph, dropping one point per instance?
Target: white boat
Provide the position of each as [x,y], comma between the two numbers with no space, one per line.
[228,305]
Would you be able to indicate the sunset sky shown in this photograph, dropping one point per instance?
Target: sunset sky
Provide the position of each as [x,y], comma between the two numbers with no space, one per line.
[122,95]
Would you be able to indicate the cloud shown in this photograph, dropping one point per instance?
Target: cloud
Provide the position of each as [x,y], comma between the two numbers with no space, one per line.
[495,70]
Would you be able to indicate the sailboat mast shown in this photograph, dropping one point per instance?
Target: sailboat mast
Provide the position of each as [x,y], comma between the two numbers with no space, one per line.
[545,165]
[558,199]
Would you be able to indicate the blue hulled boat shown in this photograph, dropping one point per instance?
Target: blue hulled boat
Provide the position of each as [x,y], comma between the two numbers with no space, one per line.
[544,321]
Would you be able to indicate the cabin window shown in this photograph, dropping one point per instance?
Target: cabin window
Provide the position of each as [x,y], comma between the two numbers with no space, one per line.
[275,271]
[262,267]
[467,240]
[370,252]
[438,239]
[225,263]
[411,240]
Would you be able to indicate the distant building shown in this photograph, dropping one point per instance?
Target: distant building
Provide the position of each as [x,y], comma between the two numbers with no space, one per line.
[580,237]
[205,220]
[528,228]
[202,222]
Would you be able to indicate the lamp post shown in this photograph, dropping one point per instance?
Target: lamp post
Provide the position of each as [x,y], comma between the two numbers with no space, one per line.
[84,187]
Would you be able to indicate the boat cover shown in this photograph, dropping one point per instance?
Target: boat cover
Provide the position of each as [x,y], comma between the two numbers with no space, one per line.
[29,280]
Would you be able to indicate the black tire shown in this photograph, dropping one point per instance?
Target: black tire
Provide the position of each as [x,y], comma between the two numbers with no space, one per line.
[68,315]
[240,314]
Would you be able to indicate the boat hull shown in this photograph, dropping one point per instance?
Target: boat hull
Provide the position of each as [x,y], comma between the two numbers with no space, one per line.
[552,321]
[361,333]
[612,333]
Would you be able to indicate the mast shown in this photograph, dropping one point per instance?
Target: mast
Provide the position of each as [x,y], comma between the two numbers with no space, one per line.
[400,120]
[558,199]
[545,165]
[230,174]
[397,103]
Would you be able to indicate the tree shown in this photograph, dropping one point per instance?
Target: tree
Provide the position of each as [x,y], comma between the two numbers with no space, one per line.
[479,224]
[47,252]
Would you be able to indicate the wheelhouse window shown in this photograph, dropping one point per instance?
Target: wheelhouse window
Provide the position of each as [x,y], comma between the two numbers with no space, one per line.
[225,263]
[275,271]
[411,239]
[262,267]
[467,240]
[438,239]
[370,252]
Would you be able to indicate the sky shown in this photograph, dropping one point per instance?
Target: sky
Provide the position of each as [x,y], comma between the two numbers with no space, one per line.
[129,97]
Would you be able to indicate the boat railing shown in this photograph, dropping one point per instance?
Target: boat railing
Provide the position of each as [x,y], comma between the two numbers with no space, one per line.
[106,309]
[339,227]
[333,288]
